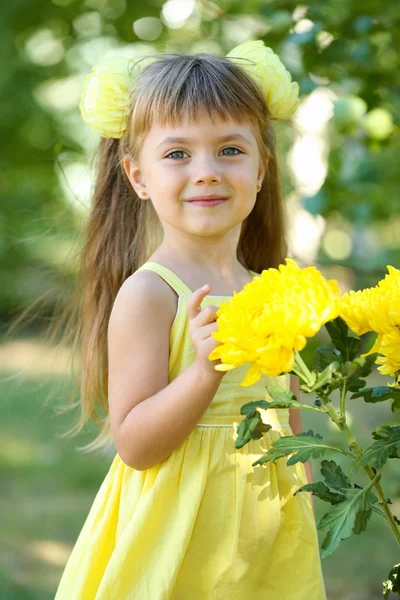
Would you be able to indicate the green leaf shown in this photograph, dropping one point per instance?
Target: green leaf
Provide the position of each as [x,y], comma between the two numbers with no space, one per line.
[378,453]
[363,368]
[382,432]
[327,355]
[343,338]
[363,516]
[345,518]
[355,384]
[306,445]
[379,394]
[319,489]
[252,428]
[272,455]
[396,405]
[334,476]
[281,398]
[335,479]
[249,408]
[365,364]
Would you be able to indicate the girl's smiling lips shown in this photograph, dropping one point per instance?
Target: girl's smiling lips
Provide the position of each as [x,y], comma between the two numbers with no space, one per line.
[204,199]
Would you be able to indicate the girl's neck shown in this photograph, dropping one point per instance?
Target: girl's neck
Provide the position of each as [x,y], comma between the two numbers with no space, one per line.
[194,276]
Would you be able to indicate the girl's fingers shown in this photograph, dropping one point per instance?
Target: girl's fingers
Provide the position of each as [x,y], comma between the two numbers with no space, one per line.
[195,300]
[207,330]
[205,317]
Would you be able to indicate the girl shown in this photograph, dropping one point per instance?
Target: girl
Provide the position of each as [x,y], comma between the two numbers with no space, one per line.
[186,203]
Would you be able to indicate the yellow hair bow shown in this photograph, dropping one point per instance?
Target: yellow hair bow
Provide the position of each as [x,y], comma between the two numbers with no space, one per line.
[105,98]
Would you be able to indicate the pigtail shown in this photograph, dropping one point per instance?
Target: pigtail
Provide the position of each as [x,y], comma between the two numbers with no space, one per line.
[263,242]
[116,243]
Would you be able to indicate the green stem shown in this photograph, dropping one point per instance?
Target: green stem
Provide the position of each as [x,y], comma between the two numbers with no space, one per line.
[308,407]
[354,446]
[343,392]
[301,370]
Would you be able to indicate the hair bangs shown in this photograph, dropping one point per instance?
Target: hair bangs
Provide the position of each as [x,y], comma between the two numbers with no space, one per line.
[179,87]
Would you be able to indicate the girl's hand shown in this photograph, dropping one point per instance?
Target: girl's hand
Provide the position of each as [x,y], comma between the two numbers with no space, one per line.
[202,322]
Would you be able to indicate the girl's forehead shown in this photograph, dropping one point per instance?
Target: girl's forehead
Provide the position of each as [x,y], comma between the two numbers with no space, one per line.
[202,127]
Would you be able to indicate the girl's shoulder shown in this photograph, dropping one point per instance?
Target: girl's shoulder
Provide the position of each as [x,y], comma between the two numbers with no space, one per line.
[148,288]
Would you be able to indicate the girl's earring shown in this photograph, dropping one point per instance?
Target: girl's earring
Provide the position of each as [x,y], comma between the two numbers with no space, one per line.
[258,188]
[144,193]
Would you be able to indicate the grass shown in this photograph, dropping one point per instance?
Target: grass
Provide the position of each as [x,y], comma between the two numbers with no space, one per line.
[47,487]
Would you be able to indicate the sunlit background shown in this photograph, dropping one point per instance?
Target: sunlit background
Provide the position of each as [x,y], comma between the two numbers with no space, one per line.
[339,162]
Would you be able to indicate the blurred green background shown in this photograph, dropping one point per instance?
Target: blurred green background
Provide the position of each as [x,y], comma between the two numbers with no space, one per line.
[339,162]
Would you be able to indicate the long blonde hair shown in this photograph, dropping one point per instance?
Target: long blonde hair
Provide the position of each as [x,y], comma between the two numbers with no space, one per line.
[122,231]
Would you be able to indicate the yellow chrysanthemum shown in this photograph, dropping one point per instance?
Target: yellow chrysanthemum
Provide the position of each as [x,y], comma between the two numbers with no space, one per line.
[390,350]
[378,309]
[267,70]
[385,311]
[374,309]
[271,318]
[105,96]
[356,309]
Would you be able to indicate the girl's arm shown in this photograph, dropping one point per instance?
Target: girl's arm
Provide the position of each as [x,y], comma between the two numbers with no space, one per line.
[296,425]
[150,418]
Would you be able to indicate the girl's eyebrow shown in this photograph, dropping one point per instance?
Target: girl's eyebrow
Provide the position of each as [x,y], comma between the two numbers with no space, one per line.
[224,138]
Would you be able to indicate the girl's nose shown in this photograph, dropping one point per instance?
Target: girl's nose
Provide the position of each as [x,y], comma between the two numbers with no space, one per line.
[206,171]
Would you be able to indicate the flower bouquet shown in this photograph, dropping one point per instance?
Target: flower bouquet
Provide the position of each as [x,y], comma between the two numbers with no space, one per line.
[267,325]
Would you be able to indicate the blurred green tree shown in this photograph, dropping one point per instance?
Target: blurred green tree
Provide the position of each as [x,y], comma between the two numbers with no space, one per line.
[346,49]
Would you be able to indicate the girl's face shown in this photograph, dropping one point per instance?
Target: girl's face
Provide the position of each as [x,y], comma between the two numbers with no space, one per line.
[204,158]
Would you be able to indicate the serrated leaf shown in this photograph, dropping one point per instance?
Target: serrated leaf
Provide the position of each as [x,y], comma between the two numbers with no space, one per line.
[363,516]
[378,453]
[249,408]
[363,367]
[319,489]
[355,384]
[378,394]
[396,405]
[306,445]
[272,455]
[340,521]
[281,398]
[365,364]
[252,428]
[343,338]
[334,476]
[383,432]
[327,355]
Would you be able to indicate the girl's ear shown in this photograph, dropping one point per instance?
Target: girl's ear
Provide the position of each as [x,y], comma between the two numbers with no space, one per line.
[135,176]
[262,169]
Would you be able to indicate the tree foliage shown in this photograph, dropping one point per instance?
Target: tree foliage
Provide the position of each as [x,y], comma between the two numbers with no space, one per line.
[350,48]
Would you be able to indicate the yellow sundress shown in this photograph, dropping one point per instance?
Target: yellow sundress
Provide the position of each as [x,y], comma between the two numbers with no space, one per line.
[203,524]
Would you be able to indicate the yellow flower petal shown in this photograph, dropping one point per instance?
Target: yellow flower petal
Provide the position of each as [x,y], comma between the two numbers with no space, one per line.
[272,317]
[104,102]
[268,72]
[252,376]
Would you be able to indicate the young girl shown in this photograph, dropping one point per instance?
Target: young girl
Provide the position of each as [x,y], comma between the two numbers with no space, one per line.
[186,210]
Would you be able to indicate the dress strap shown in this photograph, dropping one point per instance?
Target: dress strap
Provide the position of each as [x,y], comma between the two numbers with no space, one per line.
[168,276]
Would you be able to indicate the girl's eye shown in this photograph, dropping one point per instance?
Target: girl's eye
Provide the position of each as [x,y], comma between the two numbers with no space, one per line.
[182,152]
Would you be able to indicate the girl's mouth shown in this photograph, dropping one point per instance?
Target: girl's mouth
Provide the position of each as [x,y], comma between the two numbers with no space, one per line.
[208,202]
